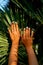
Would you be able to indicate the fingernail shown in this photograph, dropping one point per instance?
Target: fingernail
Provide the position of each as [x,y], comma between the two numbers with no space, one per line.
[13,22]
[16,23]
[24,28]
[27,27]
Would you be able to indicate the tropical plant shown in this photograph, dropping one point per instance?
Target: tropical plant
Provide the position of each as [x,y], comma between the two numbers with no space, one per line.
[26,14]
[5,42]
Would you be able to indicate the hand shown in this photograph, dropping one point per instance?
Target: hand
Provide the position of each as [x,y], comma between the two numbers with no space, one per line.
[27,39]
[14,32]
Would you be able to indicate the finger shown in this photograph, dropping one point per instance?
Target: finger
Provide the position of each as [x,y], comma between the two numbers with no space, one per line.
[16,25]
[23,35]
[24,32]
[27,32]
[12,26]
[9,31]
[32,33]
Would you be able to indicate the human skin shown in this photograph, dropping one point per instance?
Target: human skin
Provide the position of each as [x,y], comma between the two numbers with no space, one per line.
[15,36]
[27,40]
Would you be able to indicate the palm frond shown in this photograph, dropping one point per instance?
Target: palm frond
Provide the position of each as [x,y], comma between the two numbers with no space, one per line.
[22,13]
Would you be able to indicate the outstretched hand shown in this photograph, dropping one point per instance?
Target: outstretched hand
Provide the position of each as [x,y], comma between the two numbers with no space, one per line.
[14,32]
[27,38]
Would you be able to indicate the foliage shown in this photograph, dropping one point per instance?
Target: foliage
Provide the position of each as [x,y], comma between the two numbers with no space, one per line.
[26,14]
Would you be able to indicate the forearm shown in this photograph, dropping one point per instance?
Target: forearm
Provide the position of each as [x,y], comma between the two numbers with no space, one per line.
[31,57]
[13,57]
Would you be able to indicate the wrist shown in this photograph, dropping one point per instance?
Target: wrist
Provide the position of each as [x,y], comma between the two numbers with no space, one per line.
[15,44]
[15,41]
[28,48]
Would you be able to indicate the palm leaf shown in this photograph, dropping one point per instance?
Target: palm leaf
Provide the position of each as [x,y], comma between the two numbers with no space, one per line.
[6,17]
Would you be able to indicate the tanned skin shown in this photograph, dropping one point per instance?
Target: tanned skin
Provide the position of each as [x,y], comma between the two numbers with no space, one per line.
[15,36]
[27,40]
